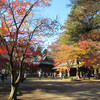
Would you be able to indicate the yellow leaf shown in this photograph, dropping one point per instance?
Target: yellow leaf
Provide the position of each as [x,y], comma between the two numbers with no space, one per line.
[27,26]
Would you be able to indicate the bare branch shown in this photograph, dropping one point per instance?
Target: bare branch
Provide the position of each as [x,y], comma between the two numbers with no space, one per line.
[13,17]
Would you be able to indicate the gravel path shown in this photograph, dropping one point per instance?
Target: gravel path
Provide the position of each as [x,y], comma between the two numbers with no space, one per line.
[34,89]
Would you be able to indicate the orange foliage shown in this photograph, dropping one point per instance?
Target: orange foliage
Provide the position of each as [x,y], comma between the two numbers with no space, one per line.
[92,56]
[3,50]
[94,35]
[66,56]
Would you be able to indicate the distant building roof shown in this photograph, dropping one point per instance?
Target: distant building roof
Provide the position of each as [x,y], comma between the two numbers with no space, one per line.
[47,62]
[74,65]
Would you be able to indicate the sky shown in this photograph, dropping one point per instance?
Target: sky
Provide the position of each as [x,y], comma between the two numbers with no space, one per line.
[58,8]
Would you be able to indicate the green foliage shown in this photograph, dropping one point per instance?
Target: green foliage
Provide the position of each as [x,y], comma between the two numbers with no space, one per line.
[74,79]
[19,93]
[65,39]
[83,19]
[71,79]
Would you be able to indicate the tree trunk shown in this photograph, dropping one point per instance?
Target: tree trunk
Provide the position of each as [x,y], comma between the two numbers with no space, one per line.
[77,72]
[13,93]
[15,79]
[68,73]
[77,69]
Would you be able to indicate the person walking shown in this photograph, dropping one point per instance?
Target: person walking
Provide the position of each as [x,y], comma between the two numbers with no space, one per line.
[54,75]
[24,76]
[2,77]
[84,75]
[39,74]
[89,74]
[60,75]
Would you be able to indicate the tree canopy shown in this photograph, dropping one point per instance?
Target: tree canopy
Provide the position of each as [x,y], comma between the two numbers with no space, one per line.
[83,22]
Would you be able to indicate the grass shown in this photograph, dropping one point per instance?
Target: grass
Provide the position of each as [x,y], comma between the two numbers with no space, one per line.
[19,93]
[74,79]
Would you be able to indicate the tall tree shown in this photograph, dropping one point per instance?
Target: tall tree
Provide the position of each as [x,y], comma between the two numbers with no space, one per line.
[19,25]
[83,22]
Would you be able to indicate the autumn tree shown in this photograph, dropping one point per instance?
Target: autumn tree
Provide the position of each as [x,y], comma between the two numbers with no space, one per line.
[31,61]
[63,59]
[83,25]
[19,23]
[64,56]
[54,48]
[91,57]
[67,57]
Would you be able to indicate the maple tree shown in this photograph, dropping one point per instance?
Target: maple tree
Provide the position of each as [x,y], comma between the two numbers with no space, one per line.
[91,58]
[86,53]
[19,24]
[66,56]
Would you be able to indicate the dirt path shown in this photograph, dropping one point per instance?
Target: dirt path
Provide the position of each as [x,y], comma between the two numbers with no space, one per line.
[34,89]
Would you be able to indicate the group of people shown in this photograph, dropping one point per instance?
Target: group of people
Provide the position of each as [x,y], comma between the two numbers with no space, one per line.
[87,74]
[51,75]
[3,76]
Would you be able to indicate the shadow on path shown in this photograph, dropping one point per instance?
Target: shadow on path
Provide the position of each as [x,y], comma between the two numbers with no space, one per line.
[34,89]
